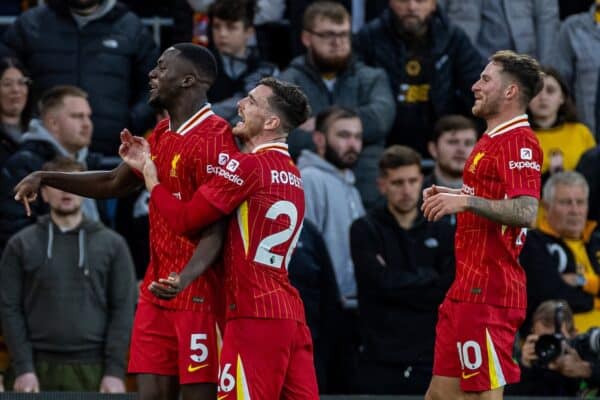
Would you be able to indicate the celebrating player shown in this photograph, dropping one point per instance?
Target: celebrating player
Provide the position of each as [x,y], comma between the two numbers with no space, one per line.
[267,348]
[486,303]
[170,338]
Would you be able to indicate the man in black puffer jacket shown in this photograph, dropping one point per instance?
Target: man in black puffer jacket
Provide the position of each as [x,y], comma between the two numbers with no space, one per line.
[97,45]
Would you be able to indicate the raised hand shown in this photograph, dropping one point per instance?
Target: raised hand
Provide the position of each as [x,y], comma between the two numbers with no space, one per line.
[133,149]
[26,191]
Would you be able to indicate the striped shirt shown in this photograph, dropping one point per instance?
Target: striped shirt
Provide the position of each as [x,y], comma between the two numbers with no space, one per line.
[181,159]
[265,191]
[505,163]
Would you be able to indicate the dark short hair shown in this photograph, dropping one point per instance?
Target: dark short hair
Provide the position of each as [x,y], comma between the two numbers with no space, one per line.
[54,97]
[233,11]
[201,58]
[288,101]
[398,156]
[524,69]
[453,122]
[324,9]
[63,164]
[329,115]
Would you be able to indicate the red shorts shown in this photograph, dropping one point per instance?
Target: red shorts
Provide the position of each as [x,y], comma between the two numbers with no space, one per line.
[174,342]
[474,342]
[267,359]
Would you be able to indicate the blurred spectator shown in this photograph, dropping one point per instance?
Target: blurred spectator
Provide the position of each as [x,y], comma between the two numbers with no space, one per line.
[97,45]
[554,119]
[330,75]
[240,66]
[311,272]
[68,299]
[14,109]
[571,374]
[404,265]
[332,204]
[589,167]
[561,256]
[577,59]
[524,26]
[64,129]
[431,63]
[453,139]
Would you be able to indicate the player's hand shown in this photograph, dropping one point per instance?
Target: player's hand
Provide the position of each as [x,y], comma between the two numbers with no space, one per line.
[27,383]
[150,173]
[442,204]
[166,289]
[133,149]
[26,191]
[112,384]
[435,189]
[528,356]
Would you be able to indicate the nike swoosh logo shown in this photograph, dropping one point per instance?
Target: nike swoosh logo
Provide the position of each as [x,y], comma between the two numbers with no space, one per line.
[222,397]
[469,376]
[192,368]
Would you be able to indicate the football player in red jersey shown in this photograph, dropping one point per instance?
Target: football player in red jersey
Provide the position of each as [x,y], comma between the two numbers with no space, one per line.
[174,343]
[267,349]
[486,304]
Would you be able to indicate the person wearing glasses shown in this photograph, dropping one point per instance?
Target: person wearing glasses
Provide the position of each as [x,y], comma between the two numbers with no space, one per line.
[329,74]
[431,63]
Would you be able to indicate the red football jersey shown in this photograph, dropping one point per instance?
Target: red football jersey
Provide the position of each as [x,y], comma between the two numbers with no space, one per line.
[265,190]
[181,159]
[505,163]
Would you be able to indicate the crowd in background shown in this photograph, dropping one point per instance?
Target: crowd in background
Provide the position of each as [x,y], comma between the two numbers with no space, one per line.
[389,85]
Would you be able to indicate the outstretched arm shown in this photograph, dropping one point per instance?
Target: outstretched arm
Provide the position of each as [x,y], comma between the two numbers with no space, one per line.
[519,211]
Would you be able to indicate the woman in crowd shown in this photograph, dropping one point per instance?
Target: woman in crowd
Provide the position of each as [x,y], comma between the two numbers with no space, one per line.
[14,110]
[553,117]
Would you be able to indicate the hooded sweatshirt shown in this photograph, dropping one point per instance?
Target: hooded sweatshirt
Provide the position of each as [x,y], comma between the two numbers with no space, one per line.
[38,147]
[332,204]
[67,296]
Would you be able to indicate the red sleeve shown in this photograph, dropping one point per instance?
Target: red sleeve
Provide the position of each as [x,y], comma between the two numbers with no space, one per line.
[184,217]
[520,163]
[231,184]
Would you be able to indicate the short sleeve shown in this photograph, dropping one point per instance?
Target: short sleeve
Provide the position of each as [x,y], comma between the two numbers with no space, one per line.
[520,164]
[231,181]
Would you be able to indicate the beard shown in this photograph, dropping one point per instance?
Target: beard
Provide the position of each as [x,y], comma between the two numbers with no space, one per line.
[66,212]
[81,5]
[328,65]
[489,108]
[340,161]
[157,103]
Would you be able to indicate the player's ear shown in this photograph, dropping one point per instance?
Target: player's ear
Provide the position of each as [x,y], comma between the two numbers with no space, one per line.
[272,123]
[512,91]
[188,81]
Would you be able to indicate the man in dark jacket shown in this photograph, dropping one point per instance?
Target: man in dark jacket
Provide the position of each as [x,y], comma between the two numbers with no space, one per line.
[64,129]
[431,63]
[97,45]
[403,266]
[329,75]
[561,257]
[67,299]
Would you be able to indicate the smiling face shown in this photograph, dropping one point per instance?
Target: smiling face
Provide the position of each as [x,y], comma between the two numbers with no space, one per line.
[14,89]
[164,79]
[489,92]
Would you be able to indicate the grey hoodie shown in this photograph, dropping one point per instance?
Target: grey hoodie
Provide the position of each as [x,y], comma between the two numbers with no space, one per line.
[68,295]
[37,131]
[332,204]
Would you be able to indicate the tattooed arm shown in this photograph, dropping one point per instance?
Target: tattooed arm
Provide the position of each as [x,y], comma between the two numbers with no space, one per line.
[520,211]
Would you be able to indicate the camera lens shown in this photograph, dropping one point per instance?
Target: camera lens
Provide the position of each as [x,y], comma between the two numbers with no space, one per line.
[548,348]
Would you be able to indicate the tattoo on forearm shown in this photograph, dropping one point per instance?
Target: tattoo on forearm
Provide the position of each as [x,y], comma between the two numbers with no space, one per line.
[520,211]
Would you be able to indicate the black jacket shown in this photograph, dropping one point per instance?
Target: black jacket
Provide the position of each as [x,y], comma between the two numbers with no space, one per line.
[589,166]
[109,58]
[402,277]
[457,65]
[544,258]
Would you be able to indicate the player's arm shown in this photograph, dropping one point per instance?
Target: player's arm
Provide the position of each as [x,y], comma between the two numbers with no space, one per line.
[97,184]
[518,211]
[205,255]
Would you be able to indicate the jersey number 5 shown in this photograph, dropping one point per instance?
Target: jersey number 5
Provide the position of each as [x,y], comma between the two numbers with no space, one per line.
[264,254]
